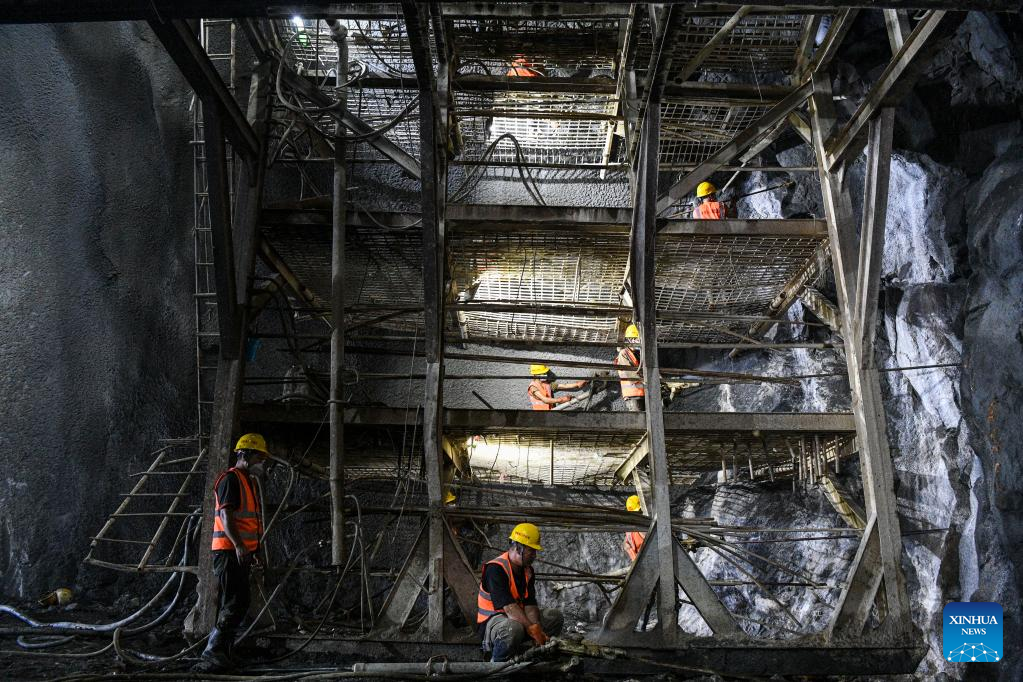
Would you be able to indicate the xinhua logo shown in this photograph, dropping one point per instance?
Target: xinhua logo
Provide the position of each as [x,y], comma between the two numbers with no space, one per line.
[971,632]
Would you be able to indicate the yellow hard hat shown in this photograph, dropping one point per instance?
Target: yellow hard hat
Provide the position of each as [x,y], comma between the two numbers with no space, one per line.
[704,189]
[632,332]
[536,370]
[449,496]
[252,441]
[526,534]
[632,504]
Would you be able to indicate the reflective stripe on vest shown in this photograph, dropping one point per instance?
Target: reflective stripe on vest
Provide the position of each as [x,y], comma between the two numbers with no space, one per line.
[711,210]
[633,541]
[248,523]
[632,385]
[544,389]
[485,603]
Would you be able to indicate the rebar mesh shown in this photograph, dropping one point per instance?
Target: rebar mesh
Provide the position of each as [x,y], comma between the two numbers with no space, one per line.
[726,275]
[539,267]
[691,131]
[542,47]
[760,43]
[560,133]
[383,269]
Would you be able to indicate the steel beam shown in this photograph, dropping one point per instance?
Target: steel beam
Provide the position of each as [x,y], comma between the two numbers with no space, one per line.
[737,145]
[59,11]
[876,465]
[218,195]
[824,309]
[433,188]
[186,51]
[359,127]
[569,422]
[896,77]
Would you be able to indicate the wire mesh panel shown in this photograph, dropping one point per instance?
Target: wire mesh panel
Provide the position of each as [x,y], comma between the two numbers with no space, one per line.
[528,457]
[759,44]
[694,453]
[383,270]
[539,267]
[550,128]
[691,131]
[535,47]
[736,275]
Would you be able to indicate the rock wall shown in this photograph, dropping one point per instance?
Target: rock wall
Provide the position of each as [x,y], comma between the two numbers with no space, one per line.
[95,283]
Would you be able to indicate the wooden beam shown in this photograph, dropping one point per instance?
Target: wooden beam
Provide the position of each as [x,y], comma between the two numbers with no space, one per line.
[736,146]
[186,51]
[221,234]
[897,75]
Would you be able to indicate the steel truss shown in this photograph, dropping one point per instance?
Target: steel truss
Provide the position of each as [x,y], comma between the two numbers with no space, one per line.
[615,83]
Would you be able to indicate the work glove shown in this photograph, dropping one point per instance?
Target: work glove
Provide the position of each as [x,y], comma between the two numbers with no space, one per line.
[536,632]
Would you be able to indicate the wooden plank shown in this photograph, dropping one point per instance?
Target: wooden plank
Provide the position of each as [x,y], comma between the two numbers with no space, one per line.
[409,584]
[857,595]
[630,602]
[737,145]
[827,50]
[459,576]
[824,309]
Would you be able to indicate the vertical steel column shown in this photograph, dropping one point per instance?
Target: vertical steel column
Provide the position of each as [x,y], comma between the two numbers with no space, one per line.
[433,188]
[337,312]
[855,279]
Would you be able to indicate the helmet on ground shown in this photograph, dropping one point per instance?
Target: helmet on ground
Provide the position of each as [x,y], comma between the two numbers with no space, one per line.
[632,332]
[537,370]
[704,189]
[252,441]
[526,534]
[632,504]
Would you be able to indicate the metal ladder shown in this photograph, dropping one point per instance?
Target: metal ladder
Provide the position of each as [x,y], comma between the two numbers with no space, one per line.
[174,478]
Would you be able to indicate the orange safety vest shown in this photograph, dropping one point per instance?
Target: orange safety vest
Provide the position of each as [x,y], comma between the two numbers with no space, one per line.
[633,541]
[485,604]
[247,519]
[543,388]
[632,385]
[520,68]
[711,210]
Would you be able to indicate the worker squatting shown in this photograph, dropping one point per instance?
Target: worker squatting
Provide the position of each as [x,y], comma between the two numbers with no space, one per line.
[508,615]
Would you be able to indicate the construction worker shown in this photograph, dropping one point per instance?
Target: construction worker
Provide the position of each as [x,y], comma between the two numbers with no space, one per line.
[520,67]
[507,611]
[708,207]
[634,538]
[237,532]
[542,388]
[633,391]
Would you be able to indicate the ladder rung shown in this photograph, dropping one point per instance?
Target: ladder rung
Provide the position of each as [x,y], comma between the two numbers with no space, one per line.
[118,515]
[127,542]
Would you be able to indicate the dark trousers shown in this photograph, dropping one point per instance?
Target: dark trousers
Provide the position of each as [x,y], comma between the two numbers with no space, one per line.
[233,579]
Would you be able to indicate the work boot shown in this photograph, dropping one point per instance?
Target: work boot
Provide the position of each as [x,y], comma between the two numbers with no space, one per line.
[214,658]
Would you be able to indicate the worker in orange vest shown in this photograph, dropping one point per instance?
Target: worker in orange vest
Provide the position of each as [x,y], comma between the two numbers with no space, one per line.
[520,67]
[237,533]
[708,207]
[506,606]
[634,538]
[542,388]
[633,390]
